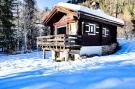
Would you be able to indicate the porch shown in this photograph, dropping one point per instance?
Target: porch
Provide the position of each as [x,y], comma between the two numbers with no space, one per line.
[59,42]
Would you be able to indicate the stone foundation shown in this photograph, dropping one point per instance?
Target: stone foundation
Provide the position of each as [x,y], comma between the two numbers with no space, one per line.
[109,49]
[90,51]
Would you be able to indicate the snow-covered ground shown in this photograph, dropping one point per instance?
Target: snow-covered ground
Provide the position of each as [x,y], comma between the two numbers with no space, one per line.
[30,71]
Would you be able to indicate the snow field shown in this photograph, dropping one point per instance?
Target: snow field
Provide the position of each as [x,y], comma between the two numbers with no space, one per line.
[30,71]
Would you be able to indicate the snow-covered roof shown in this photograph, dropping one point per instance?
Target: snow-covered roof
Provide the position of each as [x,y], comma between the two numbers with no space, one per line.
[98,12]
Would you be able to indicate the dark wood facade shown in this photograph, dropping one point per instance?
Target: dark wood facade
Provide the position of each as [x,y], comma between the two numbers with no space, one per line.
[93,33]
[97,34]
[73,29]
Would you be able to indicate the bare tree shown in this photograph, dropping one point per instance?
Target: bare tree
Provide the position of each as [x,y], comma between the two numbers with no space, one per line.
[29,8]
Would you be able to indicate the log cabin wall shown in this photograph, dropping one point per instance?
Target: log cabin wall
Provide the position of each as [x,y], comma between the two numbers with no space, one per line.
[93,33]
[106,35]
[90,33]
[109,34]
[96,33]
[74,28]
[66,25]
[52,30]
[80,27]
[114,34]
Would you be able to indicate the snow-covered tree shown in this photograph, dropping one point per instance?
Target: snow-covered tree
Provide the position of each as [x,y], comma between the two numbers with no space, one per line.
[6,27]
[29,28]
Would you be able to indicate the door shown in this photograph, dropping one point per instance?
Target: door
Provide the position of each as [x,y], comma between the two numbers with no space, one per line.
[73,28]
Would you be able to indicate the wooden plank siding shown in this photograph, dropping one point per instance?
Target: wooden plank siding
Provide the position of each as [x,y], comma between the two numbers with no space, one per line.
[91,30]
[90,38]
[111,35]
[99,37]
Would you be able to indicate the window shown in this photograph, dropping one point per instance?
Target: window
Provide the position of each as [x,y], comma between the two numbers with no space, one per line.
[61,29]
[105,32]
[90,29]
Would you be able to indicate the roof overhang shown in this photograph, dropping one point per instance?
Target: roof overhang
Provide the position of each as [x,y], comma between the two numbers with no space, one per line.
[64,21]
[85,15]
[78,11]
[96,14]
[56,14]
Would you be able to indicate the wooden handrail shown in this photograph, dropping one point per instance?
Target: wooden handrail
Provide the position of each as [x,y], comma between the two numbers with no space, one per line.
[56,40]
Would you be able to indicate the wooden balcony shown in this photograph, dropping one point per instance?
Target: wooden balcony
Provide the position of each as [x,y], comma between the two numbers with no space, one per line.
[59,42]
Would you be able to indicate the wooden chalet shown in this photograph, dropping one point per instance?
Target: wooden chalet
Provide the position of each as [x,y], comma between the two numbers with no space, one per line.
[79,31]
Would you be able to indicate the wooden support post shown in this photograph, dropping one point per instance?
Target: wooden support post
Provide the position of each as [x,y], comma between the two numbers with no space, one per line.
[61,57]
[53,55]
[66,53]
[82,28]
[76,56]
[43,53]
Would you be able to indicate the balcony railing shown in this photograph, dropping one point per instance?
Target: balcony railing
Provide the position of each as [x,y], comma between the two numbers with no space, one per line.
[59,41]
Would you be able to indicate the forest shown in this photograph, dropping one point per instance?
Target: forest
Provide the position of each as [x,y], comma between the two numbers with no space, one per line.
[20,24]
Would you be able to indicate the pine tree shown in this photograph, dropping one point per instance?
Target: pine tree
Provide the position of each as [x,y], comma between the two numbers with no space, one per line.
[133,21]
[132,12]
[6,19]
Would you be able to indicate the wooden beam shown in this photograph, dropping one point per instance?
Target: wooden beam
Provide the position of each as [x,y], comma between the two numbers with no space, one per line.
[43,53]
[59,9]
[67,11]
[48,17]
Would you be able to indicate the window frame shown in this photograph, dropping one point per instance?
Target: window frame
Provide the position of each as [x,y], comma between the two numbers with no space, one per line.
[105,32]
[91,29]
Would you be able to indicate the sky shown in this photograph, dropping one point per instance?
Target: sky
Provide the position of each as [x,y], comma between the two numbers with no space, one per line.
[48,3]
